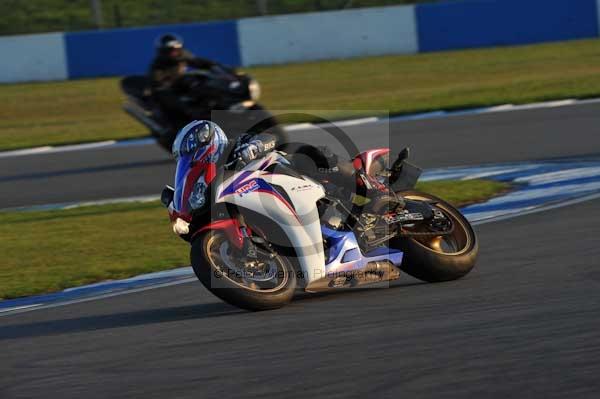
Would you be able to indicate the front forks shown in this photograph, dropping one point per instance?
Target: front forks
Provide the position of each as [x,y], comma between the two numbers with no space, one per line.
[251,244]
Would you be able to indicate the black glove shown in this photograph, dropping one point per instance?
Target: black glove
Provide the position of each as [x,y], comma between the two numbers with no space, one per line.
[249,151]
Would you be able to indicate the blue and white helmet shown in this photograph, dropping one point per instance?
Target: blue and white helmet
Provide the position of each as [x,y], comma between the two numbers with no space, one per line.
[200,134]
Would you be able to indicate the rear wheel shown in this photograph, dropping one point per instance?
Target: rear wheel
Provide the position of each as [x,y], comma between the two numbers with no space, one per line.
[436,258]
[268,282]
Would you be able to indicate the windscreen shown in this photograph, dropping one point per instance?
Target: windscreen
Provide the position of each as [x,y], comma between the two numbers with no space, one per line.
[183,168]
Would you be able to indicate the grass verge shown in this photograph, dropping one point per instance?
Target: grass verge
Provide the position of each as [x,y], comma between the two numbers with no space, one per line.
[464,192]
[53,113]
[53,250]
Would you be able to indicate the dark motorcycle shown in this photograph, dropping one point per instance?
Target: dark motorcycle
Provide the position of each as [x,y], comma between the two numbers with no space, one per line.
[201,92]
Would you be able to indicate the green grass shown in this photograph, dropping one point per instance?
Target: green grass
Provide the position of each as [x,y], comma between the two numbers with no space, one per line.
[53,250]
[20,16]
[88,110]
[464,192]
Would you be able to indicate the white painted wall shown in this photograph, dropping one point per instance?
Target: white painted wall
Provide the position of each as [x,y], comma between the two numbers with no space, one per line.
[33,58]
[598,11]
[328,35]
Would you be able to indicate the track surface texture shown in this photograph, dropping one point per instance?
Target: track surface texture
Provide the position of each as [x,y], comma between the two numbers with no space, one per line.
[457,140]
[522,324]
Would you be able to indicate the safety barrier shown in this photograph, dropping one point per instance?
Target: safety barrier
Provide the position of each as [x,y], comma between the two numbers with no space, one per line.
[485,23]
[305,37]
[328,35]
[130,51]
[33,57]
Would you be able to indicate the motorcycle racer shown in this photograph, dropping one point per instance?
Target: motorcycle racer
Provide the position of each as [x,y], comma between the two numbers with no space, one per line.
[203,146]
[259,229]
[248,147]
[172,60]
[204,142]
[170,64]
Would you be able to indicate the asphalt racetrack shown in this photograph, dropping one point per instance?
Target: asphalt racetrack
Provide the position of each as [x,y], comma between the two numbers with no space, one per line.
[457,140]
[524,323]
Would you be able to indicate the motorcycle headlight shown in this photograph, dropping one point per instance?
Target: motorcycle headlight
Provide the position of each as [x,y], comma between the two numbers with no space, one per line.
[254,89]
[198,196]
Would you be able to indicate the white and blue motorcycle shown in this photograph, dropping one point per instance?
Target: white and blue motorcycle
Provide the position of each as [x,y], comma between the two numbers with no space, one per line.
[262,230]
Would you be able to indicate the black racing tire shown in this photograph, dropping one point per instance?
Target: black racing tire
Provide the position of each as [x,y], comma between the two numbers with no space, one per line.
[233,293]
[425,263]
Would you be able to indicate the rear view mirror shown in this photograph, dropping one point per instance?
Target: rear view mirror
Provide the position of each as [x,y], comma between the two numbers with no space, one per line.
[167,195]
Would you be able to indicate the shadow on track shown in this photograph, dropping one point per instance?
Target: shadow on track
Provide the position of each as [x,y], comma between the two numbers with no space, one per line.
[126,319]
[165,315]
[79,171]
[366,290]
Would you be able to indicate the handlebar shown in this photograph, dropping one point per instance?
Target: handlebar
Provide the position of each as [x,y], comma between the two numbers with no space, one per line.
[238,159]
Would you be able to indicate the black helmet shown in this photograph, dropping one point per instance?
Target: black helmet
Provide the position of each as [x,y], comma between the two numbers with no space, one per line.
[169,42]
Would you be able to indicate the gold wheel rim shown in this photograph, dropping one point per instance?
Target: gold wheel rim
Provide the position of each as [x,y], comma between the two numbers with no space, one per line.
[454,244]
[214,251]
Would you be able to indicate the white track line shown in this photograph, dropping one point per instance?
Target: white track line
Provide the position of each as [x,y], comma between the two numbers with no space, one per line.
[71,205]
[299,126]
[26,151]
[29,308]
[307,126]
[63,148]
[540,209]
[19,309]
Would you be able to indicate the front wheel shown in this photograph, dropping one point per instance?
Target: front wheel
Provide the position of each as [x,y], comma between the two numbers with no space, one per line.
[267,282]
[438,258]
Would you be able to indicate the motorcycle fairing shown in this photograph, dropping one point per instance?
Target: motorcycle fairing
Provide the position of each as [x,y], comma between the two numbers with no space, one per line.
[345,254]
[290,201]
[187,174]
[231,227]
[249,182]
[347,266]
[198,167]
[369,157]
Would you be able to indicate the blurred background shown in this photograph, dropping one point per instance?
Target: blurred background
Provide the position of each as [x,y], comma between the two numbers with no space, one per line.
[65,139]
[386,56]
[506,92]
[37,16]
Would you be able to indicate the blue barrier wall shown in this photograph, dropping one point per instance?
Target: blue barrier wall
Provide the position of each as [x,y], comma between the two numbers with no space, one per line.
[483,23]
[306,37]
[130,51]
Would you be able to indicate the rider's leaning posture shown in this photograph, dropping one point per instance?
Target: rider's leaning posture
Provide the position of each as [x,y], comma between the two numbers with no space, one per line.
[263,222]
[225,153]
